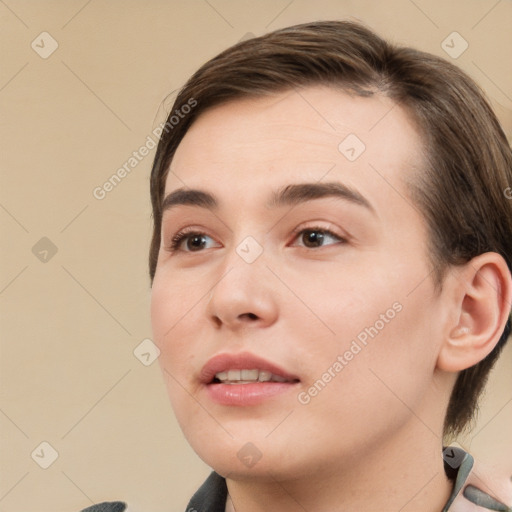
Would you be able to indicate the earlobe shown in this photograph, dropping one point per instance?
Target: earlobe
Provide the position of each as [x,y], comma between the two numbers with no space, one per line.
[481,298]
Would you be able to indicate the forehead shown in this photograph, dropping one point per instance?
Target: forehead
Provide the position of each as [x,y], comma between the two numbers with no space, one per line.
[247,146]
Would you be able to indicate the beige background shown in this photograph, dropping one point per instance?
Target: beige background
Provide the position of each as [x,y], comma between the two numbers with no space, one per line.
[70,324]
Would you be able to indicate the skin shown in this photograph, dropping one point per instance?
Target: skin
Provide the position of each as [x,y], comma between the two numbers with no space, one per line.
[301,307]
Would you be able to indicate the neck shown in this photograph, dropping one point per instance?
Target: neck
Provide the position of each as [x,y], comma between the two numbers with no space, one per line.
[399,475]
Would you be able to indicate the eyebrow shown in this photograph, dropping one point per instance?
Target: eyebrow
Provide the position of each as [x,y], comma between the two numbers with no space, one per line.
[289,195]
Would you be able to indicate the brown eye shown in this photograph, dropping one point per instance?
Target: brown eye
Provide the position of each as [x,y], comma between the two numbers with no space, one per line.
[189,242]
[312,238]
[317,237]
[195,242]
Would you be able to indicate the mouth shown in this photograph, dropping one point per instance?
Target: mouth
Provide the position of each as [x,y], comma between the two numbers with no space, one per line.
[244,379]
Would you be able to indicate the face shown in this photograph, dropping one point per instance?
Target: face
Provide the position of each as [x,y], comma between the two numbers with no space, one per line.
[303,260]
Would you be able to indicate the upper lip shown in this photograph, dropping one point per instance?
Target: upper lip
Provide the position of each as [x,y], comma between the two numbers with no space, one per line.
[241,361]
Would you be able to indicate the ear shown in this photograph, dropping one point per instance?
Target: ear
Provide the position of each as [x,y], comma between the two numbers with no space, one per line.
[481,296]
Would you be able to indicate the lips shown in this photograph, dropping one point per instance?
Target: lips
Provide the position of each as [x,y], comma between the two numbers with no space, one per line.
[230,380]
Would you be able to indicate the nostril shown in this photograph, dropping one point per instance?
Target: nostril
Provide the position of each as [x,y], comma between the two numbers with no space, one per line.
[251,316]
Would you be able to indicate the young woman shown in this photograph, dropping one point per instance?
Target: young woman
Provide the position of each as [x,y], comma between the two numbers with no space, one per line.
[330,271]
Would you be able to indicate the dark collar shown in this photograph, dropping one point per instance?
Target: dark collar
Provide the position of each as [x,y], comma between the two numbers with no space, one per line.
[211,496]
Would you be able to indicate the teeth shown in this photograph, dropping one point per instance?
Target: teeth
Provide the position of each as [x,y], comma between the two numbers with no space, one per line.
[234,374]
[264,376]
[248,376]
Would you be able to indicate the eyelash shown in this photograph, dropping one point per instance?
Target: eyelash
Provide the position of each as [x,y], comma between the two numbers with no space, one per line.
[179,237]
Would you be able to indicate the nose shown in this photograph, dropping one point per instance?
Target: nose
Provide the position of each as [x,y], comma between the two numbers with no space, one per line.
[245,295]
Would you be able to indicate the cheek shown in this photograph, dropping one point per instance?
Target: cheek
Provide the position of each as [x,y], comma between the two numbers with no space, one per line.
[173,308]
[349,303]
[163,312]
[381,373]
[381,330]
[171,312]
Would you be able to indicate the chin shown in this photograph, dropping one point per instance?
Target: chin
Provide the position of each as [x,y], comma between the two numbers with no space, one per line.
[240,460]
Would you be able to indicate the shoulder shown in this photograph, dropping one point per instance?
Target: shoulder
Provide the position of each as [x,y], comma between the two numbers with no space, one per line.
[107,506]
[488,480]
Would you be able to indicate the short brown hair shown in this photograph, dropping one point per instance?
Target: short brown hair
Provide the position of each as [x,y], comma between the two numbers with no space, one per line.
[461,191]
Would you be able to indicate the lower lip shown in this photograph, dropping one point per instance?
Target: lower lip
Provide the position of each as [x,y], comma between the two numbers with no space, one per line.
[246,394]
